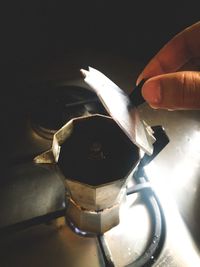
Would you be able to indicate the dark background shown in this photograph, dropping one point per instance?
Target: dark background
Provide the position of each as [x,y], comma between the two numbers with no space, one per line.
[40,31]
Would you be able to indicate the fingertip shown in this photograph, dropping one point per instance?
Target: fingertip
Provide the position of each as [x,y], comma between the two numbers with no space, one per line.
[173,91]
[151,92]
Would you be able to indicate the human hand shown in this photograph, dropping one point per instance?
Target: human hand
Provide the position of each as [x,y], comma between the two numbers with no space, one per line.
[169,85]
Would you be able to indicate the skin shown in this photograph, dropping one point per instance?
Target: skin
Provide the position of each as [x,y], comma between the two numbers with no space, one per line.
[173,77]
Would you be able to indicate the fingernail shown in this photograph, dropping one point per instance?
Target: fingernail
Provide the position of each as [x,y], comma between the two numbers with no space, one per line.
[151,92]
[138,81]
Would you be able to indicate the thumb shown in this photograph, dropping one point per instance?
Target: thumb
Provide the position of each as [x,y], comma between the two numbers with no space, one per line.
[180,90]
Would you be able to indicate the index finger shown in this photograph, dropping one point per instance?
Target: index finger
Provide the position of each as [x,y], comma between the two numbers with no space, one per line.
[177,52]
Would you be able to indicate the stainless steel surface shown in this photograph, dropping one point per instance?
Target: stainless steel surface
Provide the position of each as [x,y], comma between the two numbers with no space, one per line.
[119,106]
[29,191]
[129,239]
[49,245]
[175,175]
[176,171]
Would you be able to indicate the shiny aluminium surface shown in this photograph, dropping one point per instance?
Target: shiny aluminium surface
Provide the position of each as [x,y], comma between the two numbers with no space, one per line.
[174,174]
[120,108]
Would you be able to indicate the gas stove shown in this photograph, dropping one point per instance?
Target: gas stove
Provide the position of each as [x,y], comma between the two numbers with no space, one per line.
[128,213]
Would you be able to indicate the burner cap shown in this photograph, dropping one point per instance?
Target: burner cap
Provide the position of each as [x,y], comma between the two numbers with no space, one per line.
[54,107]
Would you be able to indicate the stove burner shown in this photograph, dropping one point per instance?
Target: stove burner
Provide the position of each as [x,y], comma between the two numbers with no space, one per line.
[54,107]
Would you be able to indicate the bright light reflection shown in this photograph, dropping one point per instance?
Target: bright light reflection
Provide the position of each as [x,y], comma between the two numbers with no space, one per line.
[179,171]
[169,181]
[158,178]
[128,240]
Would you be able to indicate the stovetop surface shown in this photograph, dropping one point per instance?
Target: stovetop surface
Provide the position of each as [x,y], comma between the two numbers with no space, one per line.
[29,191]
